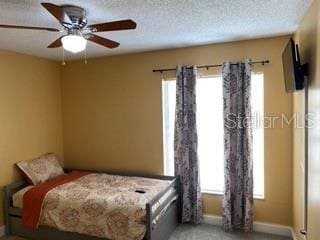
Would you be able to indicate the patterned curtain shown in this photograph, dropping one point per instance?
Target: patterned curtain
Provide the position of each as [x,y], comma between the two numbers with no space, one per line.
[186,144]
[238,195]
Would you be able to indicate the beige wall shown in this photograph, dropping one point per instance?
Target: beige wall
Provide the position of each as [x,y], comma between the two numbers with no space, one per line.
[30,112]
[113,121]
[308,36]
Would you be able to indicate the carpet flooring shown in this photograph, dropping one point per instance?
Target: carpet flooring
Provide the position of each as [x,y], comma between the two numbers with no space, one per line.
[205,232]
[209,232]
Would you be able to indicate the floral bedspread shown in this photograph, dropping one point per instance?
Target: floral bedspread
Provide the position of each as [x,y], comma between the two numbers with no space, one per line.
[101,205]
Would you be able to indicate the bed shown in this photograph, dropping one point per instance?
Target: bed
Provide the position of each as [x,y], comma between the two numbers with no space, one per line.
[155,210]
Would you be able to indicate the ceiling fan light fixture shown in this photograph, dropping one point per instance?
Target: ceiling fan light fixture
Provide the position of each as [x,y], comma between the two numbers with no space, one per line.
[74,43]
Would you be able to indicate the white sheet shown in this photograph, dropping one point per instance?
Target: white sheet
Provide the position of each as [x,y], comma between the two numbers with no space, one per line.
[17,198]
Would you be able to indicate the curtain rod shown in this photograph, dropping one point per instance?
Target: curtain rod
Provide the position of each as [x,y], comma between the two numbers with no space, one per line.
[207,66]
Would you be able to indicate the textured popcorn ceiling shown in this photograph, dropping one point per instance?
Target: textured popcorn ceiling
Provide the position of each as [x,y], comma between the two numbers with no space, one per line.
[161,23]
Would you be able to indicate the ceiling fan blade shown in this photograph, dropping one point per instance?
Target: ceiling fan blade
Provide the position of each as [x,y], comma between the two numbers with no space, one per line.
[57,43]
[58,13]
[29,28]
[102,41]
[114,26]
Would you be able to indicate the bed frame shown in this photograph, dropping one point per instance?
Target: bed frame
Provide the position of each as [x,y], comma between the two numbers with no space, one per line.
[161,231]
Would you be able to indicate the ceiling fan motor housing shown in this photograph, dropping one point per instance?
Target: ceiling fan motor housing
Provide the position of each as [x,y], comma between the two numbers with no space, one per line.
[74,31]
[77,16]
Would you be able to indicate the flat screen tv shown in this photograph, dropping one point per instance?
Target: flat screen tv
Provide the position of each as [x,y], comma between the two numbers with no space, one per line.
[294,72]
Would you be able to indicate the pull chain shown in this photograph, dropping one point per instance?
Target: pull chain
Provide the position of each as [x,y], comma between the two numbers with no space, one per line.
[63,63]
[85,56]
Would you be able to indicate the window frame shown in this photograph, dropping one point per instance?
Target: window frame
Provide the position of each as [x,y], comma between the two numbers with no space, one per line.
[206,191]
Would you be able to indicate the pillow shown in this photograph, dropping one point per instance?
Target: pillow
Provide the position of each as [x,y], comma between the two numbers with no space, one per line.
[41,169]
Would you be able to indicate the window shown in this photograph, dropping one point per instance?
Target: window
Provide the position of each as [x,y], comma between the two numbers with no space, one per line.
[210,132]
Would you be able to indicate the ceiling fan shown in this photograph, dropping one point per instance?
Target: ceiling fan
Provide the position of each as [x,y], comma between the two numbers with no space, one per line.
[76,31]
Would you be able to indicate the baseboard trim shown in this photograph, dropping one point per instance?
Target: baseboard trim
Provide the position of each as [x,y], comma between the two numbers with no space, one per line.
[212,219]
[2,231]
[271,228]
[293,234]
[262,227]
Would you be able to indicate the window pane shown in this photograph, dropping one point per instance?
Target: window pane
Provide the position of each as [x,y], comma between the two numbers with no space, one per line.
[168,111]
[210,133]
[257,105]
